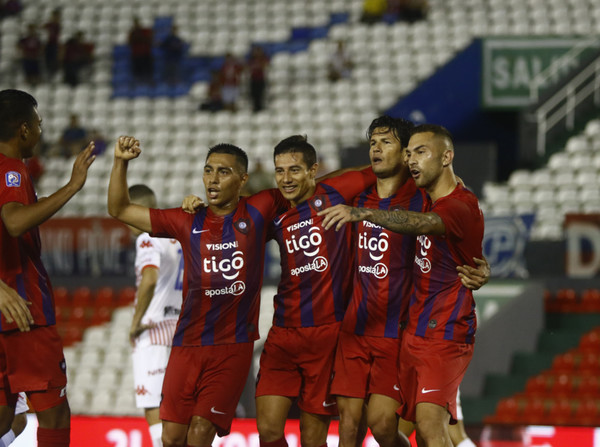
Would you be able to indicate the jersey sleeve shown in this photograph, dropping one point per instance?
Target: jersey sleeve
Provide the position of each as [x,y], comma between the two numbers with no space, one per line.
[173,222]
[352,183]
[147,252]
[458,217]
[14,181]
[269,202]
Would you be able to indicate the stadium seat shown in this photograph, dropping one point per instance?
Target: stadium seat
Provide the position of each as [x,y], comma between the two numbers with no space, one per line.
[82,296]
[126,296]
[537,386]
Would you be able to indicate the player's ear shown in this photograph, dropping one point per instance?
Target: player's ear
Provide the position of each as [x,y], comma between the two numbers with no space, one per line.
[24,130]
[244,178]
[313,169]
[447,157]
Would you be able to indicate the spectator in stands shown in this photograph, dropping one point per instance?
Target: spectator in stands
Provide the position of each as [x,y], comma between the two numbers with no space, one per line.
[30,47]
[257,67]
[72,140]
[412,10]
[10,8]
[173,48]
[214,95]
[51,49]
[77,54]
[141,40]
[373,11]
[340,63]
[231,75]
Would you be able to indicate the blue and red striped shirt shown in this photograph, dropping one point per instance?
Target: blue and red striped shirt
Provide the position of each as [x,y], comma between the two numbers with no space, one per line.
[383,271]
[20,264]
[440,306]
[224,260]
[316,273]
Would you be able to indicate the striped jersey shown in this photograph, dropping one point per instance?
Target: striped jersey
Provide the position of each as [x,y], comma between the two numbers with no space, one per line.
[383,268]
[163,311]
[20,264]
[223,268]
[316,274]
[440,306]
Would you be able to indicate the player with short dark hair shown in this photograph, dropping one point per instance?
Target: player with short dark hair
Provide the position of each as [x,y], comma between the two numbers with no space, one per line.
[32,360]
[223,248]
[297,359]
[159,283]
[437,344]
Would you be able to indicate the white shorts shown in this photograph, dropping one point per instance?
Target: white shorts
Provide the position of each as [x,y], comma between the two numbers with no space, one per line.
[21,406]
[149,366]
[459,415]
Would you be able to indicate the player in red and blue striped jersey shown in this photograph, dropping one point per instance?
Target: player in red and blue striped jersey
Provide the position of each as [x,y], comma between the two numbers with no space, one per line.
[31,360]
[223,247]
[311,299]
[437,345]
[366,358]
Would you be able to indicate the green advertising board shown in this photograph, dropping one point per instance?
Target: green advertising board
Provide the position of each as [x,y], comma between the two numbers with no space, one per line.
[510,64]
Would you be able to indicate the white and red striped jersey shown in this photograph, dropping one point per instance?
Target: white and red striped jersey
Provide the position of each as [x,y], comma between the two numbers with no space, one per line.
[163,311]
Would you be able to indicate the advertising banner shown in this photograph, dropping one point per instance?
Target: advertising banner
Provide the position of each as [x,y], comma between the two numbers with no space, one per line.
[583,245]
[504,244]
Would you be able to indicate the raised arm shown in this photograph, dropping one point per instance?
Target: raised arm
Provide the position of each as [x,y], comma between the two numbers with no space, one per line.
[400,221]
[119,204]
[19,218]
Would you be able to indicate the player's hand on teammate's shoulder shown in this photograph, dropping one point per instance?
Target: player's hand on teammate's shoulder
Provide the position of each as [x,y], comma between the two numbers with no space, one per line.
[127,148]
[475,278]
[191,204]
[82,163]
[339,215]
[14,308]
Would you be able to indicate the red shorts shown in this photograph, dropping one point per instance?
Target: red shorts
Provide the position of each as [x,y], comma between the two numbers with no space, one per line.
[298,362]
[33,362]
[430,370]
[205,381]
[365,365]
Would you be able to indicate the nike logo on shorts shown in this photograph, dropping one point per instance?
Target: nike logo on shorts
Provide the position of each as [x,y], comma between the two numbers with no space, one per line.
[212,410]
[328,404]
[425,391]
[198,231]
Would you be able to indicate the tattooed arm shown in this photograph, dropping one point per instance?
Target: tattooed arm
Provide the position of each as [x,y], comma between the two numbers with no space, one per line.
[401,221]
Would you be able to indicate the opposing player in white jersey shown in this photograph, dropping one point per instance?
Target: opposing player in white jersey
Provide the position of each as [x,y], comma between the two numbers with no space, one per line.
[159,281]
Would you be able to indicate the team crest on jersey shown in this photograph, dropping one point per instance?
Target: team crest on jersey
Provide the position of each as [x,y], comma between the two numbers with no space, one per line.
[13,179]
[318,202]
[242,225]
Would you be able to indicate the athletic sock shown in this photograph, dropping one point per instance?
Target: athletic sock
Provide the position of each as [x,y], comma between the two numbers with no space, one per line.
[466,443]
[281,442]
[53,437]
[7,439]
[156,434]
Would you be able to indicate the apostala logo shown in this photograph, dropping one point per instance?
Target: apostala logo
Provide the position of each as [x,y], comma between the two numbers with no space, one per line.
[236,289]
[379,270]
[319,264]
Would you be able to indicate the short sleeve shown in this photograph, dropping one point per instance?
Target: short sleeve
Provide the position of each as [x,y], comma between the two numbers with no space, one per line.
[456,215]
[147,252]
[269,202]
[14,183]
[352,183]
[173,223]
